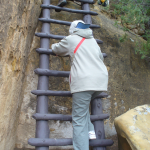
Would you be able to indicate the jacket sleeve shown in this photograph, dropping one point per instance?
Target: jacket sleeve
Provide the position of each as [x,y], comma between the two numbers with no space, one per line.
[101,55]
[61,48]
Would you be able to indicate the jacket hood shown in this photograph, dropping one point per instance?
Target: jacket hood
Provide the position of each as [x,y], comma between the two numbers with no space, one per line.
[86,33]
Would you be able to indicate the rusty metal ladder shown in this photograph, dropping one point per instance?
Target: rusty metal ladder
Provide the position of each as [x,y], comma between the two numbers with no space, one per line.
[42,140]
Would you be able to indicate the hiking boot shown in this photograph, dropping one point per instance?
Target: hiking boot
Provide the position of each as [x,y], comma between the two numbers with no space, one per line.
[92,135]
[61,4]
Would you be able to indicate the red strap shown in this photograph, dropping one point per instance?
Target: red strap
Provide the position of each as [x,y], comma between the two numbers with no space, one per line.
[79,45]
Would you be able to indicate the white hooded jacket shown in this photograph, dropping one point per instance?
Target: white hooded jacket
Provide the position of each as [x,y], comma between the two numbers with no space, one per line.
[88,72]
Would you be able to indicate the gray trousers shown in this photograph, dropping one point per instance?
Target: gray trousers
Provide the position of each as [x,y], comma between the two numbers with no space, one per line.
[81,119]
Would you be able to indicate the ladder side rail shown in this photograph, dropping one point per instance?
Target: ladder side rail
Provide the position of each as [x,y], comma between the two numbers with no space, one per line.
[95,109]
[42,128]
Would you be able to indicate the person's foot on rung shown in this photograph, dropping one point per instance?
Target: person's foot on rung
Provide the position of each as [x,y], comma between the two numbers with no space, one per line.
[61,4]
[92,135]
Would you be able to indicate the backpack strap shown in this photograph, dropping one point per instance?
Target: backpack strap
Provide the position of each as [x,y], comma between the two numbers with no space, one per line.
[76,51]
[79,45]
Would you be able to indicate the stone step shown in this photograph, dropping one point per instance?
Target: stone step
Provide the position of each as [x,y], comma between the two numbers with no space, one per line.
[69,10]
[48,52]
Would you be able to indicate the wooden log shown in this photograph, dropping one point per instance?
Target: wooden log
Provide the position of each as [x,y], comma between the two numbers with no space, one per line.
[58,37]
[63,22]
[51,93]
[96,108]
[86,1]
[55,73]
[69,10]
[62,117]
[42,127]
[64,142]
[60,93]
[50,52]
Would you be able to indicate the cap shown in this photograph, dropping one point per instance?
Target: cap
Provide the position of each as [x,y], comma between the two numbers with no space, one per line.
[81,25]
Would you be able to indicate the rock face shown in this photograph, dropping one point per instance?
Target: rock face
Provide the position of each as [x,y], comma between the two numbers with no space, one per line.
[128,75]
[133,129]
[17,27]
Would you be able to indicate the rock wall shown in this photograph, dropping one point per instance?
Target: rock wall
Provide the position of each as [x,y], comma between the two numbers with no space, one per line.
[133,129]
[128,75]
[128,79]
[17,27]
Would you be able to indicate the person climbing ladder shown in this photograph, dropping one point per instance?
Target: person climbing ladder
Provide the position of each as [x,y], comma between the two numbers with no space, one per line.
[88,78]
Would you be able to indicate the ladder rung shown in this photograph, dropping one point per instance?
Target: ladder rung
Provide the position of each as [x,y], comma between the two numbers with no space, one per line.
[51,93]
[61,93]
[102,95]
[63,22]
[59,37]
[69,10]
[50,52]
[62,117]
[55,73]
[64,142]
[86,1]
[47,51]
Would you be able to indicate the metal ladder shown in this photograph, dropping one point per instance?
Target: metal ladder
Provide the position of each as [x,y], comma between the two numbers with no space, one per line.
[42,140]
